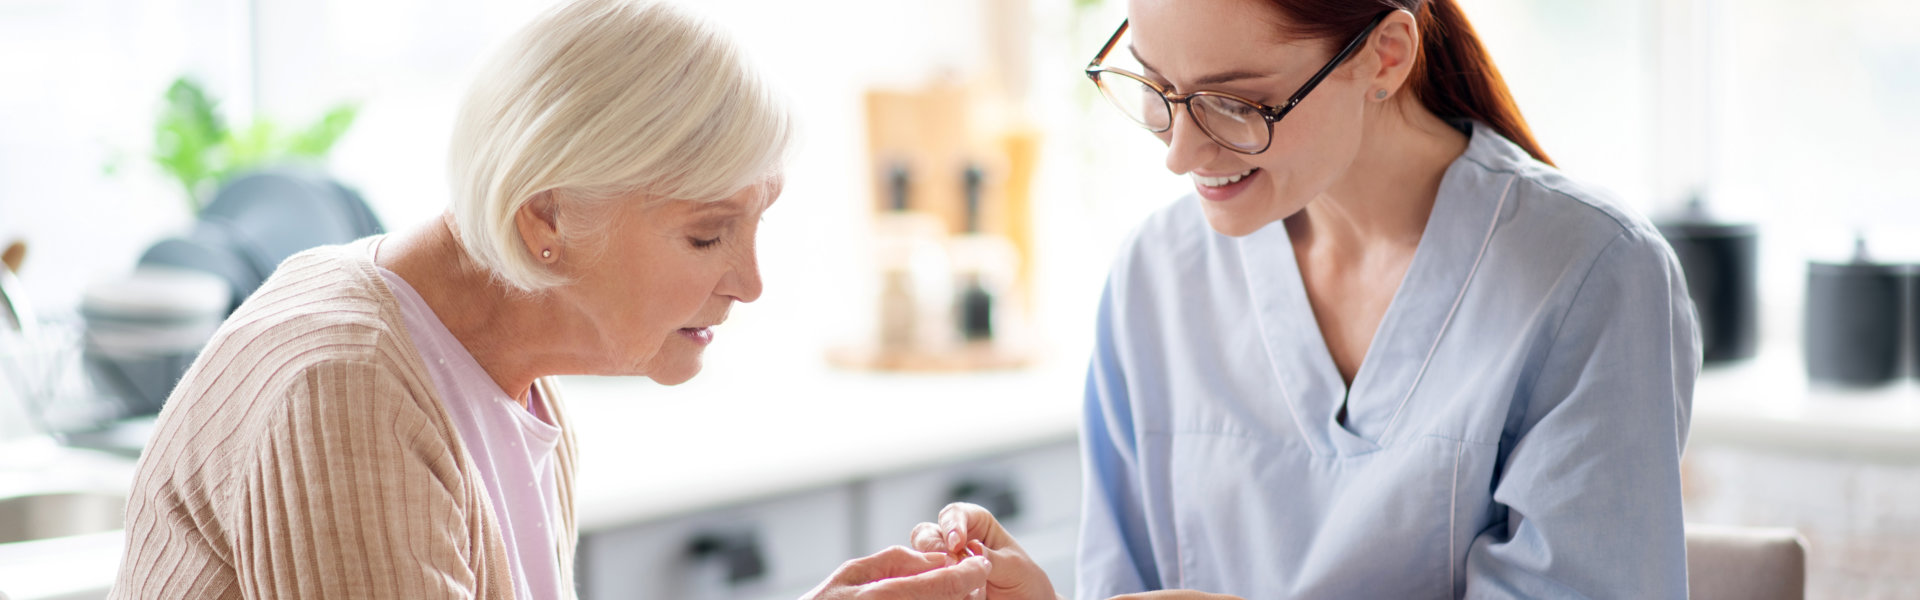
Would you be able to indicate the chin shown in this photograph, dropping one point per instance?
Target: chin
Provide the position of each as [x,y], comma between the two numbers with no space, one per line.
[676,377]
[1241,220]
[1232,224]
[677,371]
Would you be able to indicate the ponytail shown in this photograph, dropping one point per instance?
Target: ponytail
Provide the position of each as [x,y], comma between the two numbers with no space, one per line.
[1453,77]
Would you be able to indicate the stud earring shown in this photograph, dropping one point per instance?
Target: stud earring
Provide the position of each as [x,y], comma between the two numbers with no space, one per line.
[547,253]
[1380,95]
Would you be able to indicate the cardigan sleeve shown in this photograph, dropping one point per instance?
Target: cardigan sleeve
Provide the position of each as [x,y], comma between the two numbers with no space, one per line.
[353,493]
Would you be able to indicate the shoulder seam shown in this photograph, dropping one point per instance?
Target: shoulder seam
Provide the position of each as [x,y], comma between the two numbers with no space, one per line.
[1532,179]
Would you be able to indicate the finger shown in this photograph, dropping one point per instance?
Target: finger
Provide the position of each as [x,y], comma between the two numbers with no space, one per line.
[962,521]
[972,522]
[926,537]
[955,582]
[897,561]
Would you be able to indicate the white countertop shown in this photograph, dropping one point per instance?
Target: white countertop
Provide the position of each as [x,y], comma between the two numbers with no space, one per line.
[1766,403]
[650,451]
[80,566]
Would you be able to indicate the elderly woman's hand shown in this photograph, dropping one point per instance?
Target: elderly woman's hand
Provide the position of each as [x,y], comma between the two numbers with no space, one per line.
[898,573]
[1014,577]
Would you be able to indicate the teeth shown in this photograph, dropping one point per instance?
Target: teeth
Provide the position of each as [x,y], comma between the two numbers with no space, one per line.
[1220,181]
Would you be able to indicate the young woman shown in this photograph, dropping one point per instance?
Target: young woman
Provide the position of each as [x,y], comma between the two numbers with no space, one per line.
[1386,350]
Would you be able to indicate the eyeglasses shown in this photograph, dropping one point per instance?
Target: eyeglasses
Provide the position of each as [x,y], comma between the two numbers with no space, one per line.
[1236,123]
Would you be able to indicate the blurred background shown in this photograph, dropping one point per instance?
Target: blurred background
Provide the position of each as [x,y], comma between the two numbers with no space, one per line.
[932,268]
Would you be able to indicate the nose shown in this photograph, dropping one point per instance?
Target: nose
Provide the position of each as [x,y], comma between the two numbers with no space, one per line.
[742,282]
[1187,146]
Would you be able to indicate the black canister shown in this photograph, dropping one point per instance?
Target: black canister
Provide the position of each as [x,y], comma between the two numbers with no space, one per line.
[1854,326]
[1719,261]
[1913,316]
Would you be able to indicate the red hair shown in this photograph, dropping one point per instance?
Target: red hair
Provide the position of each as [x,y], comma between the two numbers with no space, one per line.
[1453,77]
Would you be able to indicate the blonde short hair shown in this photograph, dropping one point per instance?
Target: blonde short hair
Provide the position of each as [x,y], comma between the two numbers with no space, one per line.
[603,99]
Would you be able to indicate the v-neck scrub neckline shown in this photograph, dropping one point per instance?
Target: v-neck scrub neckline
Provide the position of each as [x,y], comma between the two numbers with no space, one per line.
[1456,236]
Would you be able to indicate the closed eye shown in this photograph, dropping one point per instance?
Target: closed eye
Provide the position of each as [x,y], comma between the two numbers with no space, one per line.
[706,243]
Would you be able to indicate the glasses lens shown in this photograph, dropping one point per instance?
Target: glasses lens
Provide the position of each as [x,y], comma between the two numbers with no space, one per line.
[1235,124]
[1135,99]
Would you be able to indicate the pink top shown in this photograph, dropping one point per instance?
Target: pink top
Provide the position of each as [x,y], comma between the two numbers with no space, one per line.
[512,449]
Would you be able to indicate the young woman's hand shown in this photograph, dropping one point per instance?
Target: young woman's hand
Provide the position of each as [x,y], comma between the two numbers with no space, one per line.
[901,574]
[1014,576]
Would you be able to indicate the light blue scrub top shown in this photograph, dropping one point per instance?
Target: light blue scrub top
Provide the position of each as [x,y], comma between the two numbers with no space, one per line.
[1514,431]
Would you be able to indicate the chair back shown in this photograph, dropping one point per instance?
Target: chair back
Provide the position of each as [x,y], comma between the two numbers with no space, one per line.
[1745,563]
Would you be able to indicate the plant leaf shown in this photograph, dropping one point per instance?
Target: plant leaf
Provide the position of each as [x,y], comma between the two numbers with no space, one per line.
[247,149]
[319,138]
[187,137]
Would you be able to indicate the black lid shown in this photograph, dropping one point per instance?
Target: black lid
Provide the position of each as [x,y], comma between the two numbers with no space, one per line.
[1697,221]
[1862,264]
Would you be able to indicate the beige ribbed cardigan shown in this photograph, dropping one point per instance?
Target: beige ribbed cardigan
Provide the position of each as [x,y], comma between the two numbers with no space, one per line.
[306,454]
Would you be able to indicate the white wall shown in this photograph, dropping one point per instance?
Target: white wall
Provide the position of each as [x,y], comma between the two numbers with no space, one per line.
[1811,109]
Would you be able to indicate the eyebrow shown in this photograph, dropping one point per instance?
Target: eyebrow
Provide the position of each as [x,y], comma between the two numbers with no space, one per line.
[1209,79]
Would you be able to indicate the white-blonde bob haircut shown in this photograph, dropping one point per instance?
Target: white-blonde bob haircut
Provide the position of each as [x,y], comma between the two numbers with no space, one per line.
[599,100]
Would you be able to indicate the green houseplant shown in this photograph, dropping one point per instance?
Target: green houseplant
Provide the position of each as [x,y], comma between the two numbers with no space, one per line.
[193,144]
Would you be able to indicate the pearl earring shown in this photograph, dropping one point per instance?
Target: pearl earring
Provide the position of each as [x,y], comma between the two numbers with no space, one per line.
[546,254]
[1380,95]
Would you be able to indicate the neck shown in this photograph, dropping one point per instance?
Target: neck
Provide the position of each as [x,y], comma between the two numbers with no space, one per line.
[1383,200]
[509,334]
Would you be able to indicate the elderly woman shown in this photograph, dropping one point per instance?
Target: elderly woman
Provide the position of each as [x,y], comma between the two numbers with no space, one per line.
[377,420]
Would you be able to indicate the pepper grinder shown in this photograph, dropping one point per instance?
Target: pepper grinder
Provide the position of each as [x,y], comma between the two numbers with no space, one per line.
[976,300]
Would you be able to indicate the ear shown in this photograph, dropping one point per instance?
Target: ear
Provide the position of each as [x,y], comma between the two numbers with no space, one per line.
[1395,47]
[539,223]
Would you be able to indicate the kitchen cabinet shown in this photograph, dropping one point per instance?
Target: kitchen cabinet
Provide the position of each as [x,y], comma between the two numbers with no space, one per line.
[1034,493]
[781,547]
[778,548]
[746,487]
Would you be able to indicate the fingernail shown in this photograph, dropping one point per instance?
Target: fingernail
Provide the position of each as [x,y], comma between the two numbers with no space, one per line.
[953,538]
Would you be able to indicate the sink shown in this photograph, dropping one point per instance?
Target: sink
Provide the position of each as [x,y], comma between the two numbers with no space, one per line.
[61,513]
[51,515]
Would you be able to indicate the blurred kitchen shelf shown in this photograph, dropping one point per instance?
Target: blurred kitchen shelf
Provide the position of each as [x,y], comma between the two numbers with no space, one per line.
[971,357]
[1767,403]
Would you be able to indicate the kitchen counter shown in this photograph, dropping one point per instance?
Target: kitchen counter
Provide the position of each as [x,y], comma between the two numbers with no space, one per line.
[649,451]
[743,432]
[73,567]
[1766,403]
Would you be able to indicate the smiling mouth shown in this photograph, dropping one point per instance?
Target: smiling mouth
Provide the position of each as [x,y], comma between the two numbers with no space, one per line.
[1221,181]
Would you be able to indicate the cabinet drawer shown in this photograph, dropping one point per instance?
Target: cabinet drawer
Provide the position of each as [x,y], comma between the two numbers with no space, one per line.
[774,549]
[1035,493]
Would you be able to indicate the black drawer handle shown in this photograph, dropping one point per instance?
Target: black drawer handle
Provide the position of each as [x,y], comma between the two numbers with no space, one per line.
[998,496]
[739,551]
